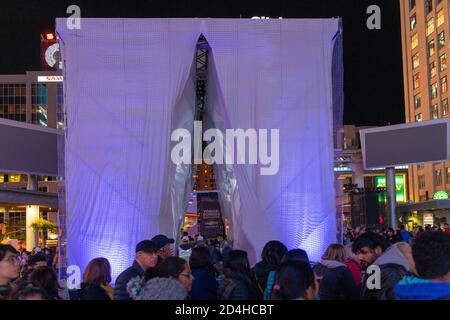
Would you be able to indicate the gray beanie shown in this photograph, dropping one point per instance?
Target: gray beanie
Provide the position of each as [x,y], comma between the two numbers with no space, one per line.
[157,289]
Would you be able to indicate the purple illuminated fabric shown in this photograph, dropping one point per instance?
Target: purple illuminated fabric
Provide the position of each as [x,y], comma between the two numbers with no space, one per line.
[129,83]
[277,75]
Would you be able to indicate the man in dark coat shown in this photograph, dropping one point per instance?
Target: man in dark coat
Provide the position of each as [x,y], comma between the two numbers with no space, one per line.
[373,249]
[146,257]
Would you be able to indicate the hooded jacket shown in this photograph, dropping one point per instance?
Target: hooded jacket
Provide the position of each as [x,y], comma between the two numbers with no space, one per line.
[337,281]
[413,288]
[393,267]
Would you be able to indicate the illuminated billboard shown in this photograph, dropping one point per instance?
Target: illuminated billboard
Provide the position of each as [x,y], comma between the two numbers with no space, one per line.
[400,187]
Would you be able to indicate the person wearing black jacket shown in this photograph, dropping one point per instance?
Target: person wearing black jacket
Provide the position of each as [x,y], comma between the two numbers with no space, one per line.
[96,281]
[271,256]
[336,280]
[240,282]
[393,262]
[204,286]
[146,257]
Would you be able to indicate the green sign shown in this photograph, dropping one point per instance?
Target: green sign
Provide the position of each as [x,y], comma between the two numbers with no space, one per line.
[400,189]
[440,194]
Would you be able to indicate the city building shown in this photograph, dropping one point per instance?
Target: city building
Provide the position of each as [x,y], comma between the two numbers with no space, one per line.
[425,45]
[361,194]
[36,98]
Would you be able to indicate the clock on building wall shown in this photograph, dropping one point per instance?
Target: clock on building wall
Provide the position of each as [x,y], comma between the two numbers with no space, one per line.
[53,56]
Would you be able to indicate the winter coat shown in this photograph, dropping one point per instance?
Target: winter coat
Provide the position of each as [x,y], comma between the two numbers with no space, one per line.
[393,267]
[337,281]
[405,235]
[269,285]
[92,292]
[204,286]
[4,292]
[120,289]
[156,289]
[355,269]
[236,289]
[413,288]
[261,271]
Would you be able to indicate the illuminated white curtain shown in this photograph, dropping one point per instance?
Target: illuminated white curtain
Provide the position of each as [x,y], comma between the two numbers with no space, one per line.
[276,74]
[128,84]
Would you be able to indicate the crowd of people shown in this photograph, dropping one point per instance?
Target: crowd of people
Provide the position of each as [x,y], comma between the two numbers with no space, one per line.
[411,266]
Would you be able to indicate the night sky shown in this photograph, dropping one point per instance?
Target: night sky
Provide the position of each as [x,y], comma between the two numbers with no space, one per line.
[373,84]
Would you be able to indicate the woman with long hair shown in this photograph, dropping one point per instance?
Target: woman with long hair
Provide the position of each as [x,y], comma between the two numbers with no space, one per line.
[294,280]
[271,256]
[336,279]
[46,279]
[96,281]
[239,282]
[204,286]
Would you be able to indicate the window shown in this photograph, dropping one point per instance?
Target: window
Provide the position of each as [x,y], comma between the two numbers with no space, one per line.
[441,40]
[437,177]
[14,178]
[440,18]
[434,111]
[416,81]
[420,166]
[428,6]
[417,101]
[430,26]
[13,101]
[443,62]
[434,90]
[413,21]
[433,69]
[431,47]
[415,41]
[421,179]
[447,175]
[60,106]
[39,104]
[444,108]
[419,117]
[412,4]
[444,86]
[415,60]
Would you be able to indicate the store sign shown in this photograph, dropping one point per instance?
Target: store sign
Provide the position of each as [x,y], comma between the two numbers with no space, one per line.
[50,78]
[400,188]
[440,194]
[428,219]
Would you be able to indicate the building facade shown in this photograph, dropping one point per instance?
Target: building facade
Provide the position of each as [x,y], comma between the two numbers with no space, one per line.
[35,97]
[360,193]
[425,34]
[425,44]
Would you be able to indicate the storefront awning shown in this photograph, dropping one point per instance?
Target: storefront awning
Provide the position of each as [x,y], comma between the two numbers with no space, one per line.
[429,205]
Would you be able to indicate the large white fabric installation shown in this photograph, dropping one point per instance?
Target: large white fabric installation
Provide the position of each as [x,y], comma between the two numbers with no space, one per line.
[276,74]
[128,84]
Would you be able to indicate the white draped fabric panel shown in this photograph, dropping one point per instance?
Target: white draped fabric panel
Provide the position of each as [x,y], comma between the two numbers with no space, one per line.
[128,84]
[277,75]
